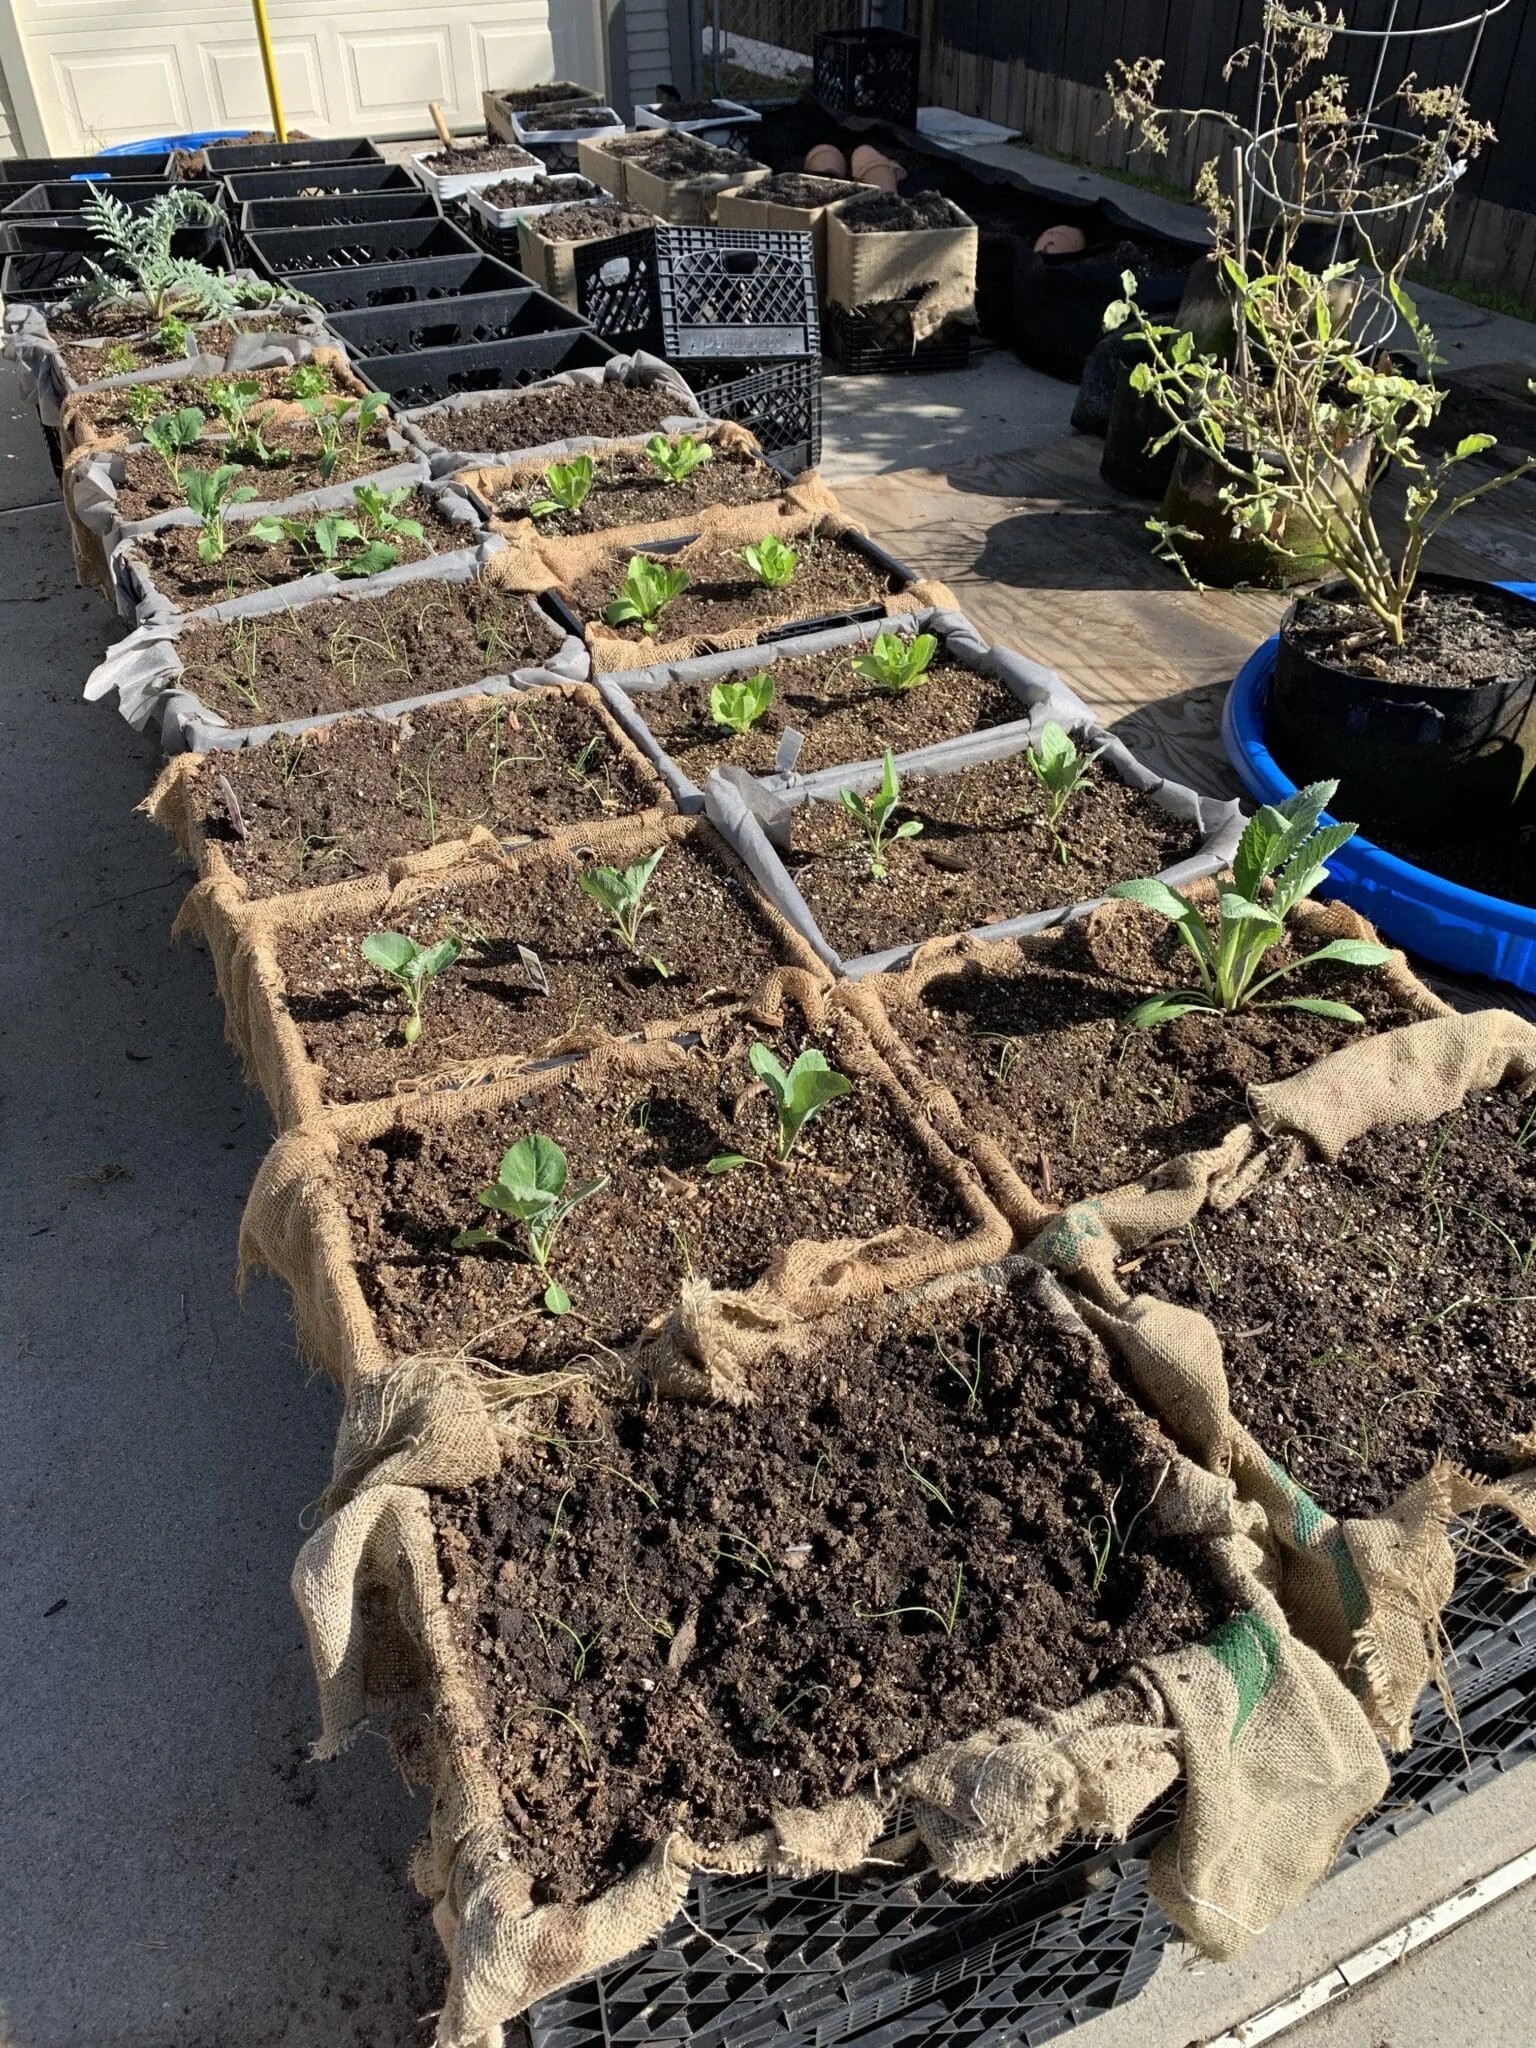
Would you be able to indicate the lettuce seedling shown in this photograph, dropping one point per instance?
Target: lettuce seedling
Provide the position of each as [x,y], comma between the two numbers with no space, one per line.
[1286,843]
[212,494]
[412,968]
[895,664]
[873,815]
[1061,770]
[649,587]
[738,706]
[307,380]
[172,434]
[677,460]
[772,561]
[530,1187]
[568,484]
[622,894]
[798,1096]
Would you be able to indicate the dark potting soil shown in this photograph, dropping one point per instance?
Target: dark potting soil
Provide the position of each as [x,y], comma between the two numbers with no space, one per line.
[794,188]
[708,932]
[482,155]
[568,412]
[524,96]
[690,156]
[842,715]
[86,362]
[347,799]
[684,1616]
[832,578]
[1378,1313]
[629,490]
[882,213]
[857,1170]
[342,653]
[1452,638]
[984,853]
[577,117]
[589,223]
[1502,865]
[107,412]
[148,487]
[171,558]
[541,192]
[694,110]
[1039,1059]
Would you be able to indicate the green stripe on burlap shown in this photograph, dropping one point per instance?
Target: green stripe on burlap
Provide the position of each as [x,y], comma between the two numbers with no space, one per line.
[1248,1650]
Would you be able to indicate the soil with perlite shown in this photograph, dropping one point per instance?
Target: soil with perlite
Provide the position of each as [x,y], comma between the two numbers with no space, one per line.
[101,413]
[563,412]
[148,486]
[170,553]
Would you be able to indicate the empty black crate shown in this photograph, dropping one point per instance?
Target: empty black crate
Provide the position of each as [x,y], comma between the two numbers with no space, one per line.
[779,402]
[66,230]
[32,170]
[418,377]
[409,284]
[40,273]
[59,199]
[271,156]
[337,210]
[290,184]
[294,252]
[872,342]
[730,294]
[453,323]
[868,71]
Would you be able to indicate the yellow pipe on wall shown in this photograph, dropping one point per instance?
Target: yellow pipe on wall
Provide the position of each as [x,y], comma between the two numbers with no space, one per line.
[269,67]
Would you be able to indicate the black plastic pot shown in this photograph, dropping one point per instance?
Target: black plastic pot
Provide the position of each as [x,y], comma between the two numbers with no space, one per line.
[269,156]
[1059,301]
[337,210]
[1404,753]
[1219,554]
[1136,420]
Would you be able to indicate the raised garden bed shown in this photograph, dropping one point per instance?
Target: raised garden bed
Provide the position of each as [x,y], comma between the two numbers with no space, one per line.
[492,212]
[112,409]
[788,201]
[904,269]
[627,399]
[499,106]
[603,161]
[547,243]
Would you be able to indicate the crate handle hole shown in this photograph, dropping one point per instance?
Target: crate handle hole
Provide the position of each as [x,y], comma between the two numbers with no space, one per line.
[742,262]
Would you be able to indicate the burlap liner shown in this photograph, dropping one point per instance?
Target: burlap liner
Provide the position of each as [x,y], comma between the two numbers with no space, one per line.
[1277,1761]
[537,566]
[1367,1594]
[882,1001]
[772,513]
[295,1225]
[244,939]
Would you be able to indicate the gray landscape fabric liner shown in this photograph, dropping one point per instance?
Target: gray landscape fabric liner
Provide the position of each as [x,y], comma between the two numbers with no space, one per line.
[143,672]
[640,371]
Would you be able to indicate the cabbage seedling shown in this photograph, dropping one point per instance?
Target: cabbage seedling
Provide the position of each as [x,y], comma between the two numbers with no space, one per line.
[798,1097]
[677,460]
[772,562]
[895,664]
[372,407]
[567,484]
[621,892]
[328,415]
[873,816]
[211,494]
[172,434]
[1284,842]
[412,968]
[649,587]
[1061,770]
[530,1187]
[738,706]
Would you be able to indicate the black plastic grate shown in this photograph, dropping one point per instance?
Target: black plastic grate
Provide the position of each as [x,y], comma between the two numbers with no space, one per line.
[457,322]
[412,283]
[878,342]
[868,71]
[685,293]
[779,402]
[295,252]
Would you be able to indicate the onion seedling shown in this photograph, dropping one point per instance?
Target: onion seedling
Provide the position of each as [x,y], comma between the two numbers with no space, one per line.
[649,587]
[412,968]
[873,815]
[567,484]
[172,434]
[677,460]
[738,706]
[211,494]
[530,1188]
[621,892]
[772,561]
[895,664]
[799,1096]
[1061,770]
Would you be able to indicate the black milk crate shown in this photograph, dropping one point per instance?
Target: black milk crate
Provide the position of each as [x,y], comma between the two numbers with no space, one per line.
[38,273]
[878,342]
[779,402]
[271,156]
[296,252]
[428,279]
[48,217]
[453,323]
[33,170]
[337,210]
[869,71]
[732,294]
[60,198]
[361,176]
[418,377]
[501,243]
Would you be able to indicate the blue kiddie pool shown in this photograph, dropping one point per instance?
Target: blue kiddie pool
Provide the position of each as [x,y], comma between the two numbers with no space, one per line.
[1455,927]
[158,145]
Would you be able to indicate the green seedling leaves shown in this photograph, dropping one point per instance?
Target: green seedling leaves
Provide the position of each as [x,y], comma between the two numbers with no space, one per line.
[738,706]
[413,969]
[211,494]
[530,1189]
[567,484]
[677,460]
[873,814]
[798,1096]
[772,561]
[1061,769]
[172,434]
[621,893]
[307,380]
[378,513]
[649,587]
[895,664]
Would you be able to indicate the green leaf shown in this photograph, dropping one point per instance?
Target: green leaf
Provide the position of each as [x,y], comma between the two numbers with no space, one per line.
[1164,1009]
[471,1240]
[772,561]
[727,1162]
[1236,909]
[767,1068]
[1319,1006]
[536,1165]
[268,531]
[391,952]
[1474,444]
[1352,953]
[440,957]
[1152,894]
[556,1300]
[738,706]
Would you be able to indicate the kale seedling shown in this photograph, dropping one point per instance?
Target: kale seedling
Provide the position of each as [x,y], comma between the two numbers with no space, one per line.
[567,484]
[307,380]
[172,434]
[798,1096]
[649,587]
[372,407]
[1284,842]
[212,494]
[1061,770]
[738,706]
[622,894]
[412,968]
[873,815]
[677,460]
[895,664]
[772,562]
[530,1187]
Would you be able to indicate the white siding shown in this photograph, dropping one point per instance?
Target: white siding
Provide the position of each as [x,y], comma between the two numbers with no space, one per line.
[649,47]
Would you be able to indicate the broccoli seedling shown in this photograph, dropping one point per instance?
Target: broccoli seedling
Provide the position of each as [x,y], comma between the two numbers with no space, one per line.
[172,434]
[307,380]
[378,513]
[328,415]
[1285,842]
[677,460]
[412,968]
[649,587]
[372,407]
[1061,770]
[232,401]
[772,562]
[212,494]
[621,893]
[872,814]
[895,664]
[119,359]
[798,1096]
[738,706]
[567,484]
[530,1187]
[174,336]
[322,541]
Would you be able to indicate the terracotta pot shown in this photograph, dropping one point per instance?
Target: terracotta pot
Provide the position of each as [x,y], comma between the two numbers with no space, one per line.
[826,160]
[881,177]
[1061,241]
[865,155]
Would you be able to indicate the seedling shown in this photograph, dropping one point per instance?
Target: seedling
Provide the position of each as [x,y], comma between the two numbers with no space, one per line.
[530,1187]
[799,1096]
[323,540]
[772,561]
[307,380]
[873,816]
[621,892]
[967,1373]
[140,404]
[1061,770]
[677,460]
[946,1619]
[895,664]
[172,434]
[212,494]
[378,514]
[649,587]
[328,415]
[372,407]
[738,706]
[412,968]
[930,1487]
[175,336]
[232,401]
[119,359]
[1285,843]
[567,484]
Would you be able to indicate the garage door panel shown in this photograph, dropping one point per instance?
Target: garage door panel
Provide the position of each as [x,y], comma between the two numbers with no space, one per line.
[113,97]
[237,90]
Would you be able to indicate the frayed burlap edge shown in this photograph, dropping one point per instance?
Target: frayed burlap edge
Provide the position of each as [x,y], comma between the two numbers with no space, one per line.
[882,1001]
[1366,1593]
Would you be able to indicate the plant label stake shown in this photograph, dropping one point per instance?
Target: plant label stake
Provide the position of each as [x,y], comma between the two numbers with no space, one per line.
[790,746]
[232,808]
